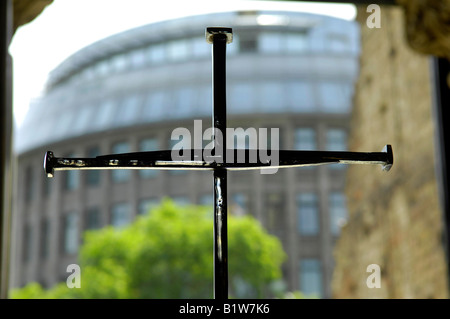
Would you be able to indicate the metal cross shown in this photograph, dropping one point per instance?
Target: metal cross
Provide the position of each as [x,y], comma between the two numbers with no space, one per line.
[219,37]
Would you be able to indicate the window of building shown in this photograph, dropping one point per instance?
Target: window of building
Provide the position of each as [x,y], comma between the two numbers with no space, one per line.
[155,106]
[119,63]
[64,123]
[200,48]
[184,146]
[296,42]
[70,240]
[128,110]
[184,100]
[242,97]
[102,68]
[93,176]
[335,97]
[270,42]
[181,200]
[336,140]
[120,175]
[311,277]
[300,97]
[274,203]
[308,214]
[338,211]
[204,104]
[92,218]
[156,53]
[71,177]
[148,145]
[105,114]
[83,118]
[247,43]
[305,139]
[206,200]
[120,214]
[240,203]
[137,58]
[177,50]
[146,205]
[338,42]
[271,97]
[233,47]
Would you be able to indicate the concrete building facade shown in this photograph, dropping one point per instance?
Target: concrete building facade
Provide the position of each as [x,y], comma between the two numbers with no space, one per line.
[287,70]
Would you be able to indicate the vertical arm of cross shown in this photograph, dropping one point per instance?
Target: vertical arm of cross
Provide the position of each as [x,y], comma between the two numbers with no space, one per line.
[219,37]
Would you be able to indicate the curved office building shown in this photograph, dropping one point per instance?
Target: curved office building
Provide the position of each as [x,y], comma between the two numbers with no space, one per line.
[287,70]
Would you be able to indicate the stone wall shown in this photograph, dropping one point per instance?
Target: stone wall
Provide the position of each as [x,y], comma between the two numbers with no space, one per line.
[395,219]
[27,10]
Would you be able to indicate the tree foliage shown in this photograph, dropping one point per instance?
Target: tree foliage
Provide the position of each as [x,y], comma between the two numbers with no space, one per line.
[168,253]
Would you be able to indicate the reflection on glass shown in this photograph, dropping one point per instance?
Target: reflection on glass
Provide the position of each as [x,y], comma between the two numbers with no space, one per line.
[338,211]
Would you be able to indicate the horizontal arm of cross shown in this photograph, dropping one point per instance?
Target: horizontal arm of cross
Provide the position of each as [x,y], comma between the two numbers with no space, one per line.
[237,159]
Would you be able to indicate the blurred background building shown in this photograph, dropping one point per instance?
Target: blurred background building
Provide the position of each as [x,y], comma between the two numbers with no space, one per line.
[287,70]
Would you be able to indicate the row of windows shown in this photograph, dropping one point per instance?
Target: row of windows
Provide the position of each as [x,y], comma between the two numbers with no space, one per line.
[305,139]
[309,213]
[310,269]
[154,54]
[310,279]
[120,215]
[244,98]
[194,48]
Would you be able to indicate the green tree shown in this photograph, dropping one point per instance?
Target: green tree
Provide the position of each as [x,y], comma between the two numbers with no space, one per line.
[168,253]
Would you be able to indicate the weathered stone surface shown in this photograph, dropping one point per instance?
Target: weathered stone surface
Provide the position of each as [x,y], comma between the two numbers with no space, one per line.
[428,25]
[394,217]
[26,10]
